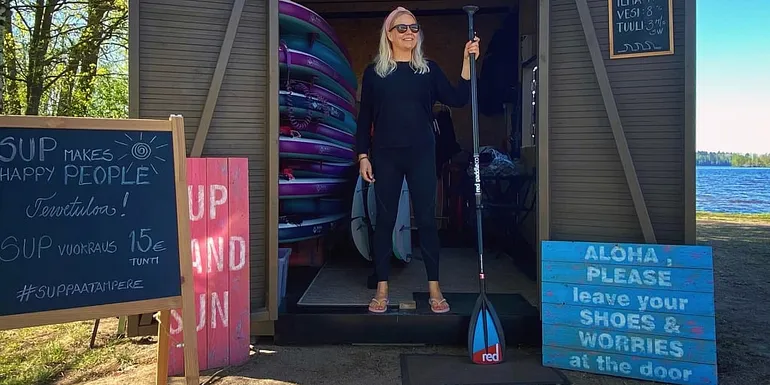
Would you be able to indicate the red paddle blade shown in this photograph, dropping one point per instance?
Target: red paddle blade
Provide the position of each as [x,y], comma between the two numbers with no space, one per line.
[486,342]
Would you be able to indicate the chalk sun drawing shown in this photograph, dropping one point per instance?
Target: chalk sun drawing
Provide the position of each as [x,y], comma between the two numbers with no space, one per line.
[141,150]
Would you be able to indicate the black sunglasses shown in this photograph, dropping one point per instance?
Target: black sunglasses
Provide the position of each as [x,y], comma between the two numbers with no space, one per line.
[401,28]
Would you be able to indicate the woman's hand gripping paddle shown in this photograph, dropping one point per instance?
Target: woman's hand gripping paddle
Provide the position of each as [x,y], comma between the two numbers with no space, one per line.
[486,342]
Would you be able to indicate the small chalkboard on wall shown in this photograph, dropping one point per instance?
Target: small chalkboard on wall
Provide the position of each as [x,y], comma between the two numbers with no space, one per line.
[640,28]
[94,222]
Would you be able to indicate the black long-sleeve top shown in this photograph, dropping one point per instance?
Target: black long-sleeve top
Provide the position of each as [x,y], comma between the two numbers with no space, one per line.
[400,106]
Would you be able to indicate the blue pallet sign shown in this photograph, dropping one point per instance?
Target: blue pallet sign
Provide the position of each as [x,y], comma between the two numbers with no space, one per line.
[630,310]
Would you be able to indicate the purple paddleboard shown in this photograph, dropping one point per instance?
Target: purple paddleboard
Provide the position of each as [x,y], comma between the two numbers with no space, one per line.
[313,149]
[298,58]
[299,228]
[318,92]
[309,187]
[307,21]
[319,131]
[315,168]
[301,110]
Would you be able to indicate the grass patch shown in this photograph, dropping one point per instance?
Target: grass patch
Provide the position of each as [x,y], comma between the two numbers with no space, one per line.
[59,354]
[732,217]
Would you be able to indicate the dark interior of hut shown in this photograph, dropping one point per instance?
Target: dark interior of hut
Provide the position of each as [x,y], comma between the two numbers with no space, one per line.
[328,268]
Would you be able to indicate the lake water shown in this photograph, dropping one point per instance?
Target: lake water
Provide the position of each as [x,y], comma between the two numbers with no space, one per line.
[733,189]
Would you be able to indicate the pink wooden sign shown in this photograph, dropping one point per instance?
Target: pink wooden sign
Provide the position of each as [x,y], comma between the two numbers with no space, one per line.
[218,196]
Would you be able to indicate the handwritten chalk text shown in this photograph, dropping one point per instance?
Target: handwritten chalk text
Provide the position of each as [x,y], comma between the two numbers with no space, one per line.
[88,155]
[12,247]
[26,174]
[74,208]
[69,289]
[33,150]
[88,248]
[144,261]
[105,175]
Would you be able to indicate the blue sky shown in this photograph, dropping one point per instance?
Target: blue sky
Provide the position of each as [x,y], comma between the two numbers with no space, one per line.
[733,75]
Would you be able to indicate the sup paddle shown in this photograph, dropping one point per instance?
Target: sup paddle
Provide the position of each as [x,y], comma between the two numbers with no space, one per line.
[486,342]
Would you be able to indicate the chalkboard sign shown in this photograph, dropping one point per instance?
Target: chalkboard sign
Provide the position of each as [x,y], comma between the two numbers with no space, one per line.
[628,310]
[641,28]
[94,224]
[90,214]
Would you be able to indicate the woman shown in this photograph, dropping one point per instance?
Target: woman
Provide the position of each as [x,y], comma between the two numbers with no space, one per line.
[397,95]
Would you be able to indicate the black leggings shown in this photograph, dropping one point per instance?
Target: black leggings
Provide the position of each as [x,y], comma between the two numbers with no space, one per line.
[390,166]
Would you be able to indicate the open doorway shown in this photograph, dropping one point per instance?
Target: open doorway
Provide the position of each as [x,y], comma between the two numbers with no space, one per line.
[328,268]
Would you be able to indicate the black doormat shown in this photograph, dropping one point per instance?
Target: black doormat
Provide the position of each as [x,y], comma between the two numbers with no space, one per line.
[432,369]
[506,304]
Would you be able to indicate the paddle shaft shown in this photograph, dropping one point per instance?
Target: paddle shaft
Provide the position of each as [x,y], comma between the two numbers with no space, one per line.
[470,10]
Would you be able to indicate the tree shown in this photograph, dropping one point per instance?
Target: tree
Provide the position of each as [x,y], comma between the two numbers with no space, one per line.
[11,90]
[105,18]
[3,12]
[55,53]
[732,159]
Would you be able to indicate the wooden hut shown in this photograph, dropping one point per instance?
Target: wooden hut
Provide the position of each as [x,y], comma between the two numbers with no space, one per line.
[611,143]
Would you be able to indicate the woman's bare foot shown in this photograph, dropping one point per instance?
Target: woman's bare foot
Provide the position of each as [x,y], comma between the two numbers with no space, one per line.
[437,302]
[379,304]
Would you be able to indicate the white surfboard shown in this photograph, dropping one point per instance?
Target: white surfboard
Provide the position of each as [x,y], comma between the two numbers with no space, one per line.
[358,226]
[371,205]
[402,231]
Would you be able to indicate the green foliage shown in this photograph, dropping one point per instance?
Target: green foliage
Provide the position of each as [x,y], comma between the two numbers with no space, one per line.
[60,353]
[66,58]
[110,95]
[703,158]
[750,160]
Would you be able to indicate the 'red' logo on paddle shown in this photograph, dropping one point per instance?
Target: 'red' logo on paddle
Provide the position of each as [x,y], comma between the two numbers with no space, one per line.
[490,355]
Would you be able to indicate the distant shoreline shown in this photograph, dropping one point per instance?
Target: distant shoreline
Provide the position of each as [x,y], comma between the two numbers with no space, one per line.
[733,217]
[730,166]
[707,158]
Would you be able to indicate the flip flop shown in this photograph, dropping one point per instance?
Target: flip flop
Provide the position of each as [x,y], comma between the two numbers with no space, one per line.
[435,303]
[378,302]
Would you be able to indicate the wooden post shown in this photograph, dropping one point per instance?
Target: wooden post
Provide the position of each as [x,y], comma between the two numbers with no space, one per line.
[161,373]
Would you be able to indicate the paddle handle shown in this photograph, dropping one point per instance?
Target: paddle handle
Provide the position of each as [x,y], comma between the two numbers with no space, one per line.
[471,10]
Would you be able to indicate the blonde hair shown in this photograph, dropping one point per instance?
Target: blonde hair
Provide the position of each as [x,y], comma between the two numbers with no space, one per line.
[384,63]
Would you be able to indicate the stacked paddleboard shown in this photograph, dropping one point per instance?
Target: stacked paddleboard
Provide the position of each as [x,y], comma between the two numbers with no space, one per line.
[317,129]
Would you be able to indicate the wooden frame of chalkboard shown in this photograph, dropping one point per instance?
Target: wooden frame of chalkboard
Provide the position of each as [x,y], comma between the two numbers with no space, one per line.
[177,190]
[614,54]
